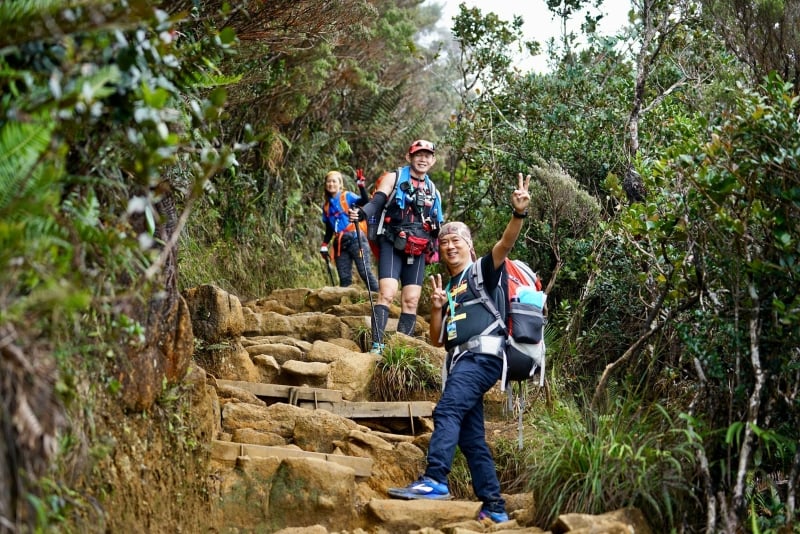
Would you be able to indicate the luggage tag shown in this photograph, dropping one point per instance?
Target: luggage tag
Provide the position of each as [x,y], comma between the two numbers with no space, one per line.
[451,330]
[451,324]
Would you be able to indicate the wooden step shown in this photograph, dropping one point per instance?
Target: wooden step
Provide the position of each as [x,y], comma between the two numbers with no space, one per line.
[331,400]
[376,410]
[228,451]
[292,394]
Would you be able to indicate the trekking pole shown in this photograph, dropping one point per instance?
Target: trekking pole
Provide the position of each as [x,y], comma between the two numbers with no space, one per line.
[366,278]
[330,273]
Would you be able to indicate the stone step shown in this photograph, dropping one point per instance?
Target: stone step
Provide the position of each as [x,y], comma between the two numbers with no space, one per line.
[228,451]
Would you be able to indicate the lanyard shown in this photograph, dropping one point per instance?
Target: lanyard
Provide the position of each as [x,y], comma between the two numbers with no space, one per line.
[451,304]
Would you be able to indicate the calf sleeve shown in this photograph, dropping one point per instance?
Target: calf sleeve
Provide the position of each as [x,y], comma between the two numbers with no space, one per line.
[407,323]
[379,319]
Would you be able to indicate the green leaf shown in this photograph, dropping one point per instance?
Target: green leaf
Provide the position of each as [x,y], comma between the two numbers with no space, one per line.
[734,433]
[227,35]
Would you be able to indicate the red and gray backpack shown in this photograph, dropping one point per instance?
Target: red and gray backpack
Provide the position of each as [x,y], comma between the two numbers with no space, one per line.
[518,309]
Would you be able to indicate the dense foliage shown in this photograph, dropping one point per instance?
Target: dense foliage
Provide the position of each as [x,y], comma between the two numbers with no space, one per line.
[666,191]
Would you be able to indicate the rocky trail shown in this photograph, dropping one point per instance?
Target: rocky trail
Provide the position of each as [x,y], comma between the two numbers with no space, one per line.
[299,444]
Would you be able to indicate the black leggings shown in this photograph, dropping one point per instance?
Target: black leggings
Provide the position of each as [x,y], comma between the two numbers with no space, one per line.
[351,253]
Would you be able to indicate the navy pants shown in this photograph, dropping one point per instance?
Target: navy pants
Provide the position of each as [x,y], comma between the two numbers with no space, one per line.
[458,420]
[351,252]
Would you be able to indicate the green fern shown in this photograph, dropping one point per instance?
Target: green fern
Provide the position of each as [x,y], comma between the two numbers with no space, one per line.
[19,12]
[21,148]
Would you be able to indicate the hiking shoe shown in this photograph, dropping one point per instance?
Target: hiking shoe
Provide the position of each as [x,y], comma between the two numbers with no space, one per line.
[377,348]
[497,517]
[424,488]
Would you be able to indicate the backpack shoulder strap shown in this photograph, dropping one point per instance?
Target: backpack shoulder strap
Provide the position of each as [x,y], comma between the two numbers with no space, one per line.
[343,201]
[389,199]
[393,193]
[476,282]
[432,185]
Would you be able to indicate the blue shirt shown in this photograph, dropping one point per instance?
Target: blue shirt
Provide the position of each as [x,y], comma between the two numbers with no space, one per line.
[336,215]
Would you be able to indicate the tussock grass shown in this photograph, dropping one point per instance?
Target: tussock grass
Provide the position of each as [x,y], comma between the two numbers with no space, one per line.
[632,455]
[403,372]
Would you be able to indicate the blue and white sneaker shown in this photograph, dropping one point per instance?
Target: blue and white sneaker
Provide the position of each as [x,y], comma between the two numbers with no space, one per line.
[497,517]
[424,488]
[377,348]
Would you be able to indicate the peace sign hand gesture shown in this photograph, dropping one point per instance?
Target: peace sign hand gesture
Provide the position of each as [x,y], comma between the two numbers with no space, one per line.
[438,296]
[520,198]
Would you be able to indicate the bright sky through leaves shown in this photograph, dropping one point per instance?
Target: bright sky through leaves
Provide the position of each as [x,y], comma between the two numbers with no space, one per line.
[539,23]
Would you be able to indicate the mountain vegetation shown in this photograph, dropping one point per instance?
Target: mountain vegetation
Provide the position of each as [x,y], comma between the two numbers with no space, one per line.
[147,147]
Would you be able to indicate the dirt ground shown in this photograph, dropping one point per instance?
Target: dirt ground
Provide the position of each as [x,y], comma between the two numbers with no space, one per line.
[147,471]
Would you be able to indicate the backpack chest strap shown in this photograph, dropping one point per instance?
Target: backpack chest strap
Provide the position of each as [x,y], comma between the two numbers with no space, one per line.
[480,344]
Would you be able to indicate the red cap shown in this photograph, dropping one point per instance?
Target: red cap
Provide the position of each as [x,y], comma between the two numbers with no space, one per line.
[421,144]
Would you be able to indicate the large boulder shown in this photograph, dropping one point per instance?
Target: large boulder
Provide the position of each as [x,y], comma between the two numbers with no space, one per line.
[310,374]
[292,298]
[268,368]
[239,394]
[318,430]
[281,352]
[392,467]
[327,352]
[308,491]
[268,305]
[620,521]
[228,361]
[249,341]
[215,314]
[353,374]
[314,326]
[327,297]
[256,437]
[243,494]
[278,418]
[268,324]
[406,516]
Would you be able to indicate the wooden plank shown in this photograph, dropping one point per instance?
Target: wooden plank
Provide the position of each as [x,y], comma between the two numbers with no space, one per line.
[229,451]
[369,410]
[309,405]
[285,392]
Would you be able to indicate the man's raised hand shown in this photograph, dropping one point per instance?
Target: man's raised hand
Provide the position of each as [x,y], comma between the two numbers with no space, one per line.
[438,296]
[521,198]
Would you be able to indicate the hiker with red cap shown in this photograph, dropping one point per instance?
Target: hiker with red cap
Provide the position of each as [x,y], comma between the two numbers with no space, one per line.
[475,357]
[405,214]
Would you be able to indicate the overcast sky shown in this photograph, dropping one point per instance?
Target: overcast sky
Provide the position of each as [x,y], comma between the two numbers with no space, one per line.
[538,22]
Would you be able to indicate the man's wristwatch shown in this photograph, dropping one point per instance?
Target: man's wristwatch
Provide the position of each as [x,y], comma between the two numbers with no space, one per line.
[519,215]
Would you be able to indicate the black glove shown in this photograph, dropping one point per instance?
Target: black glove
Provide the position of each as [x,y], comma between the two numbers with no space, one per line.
[357,214]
